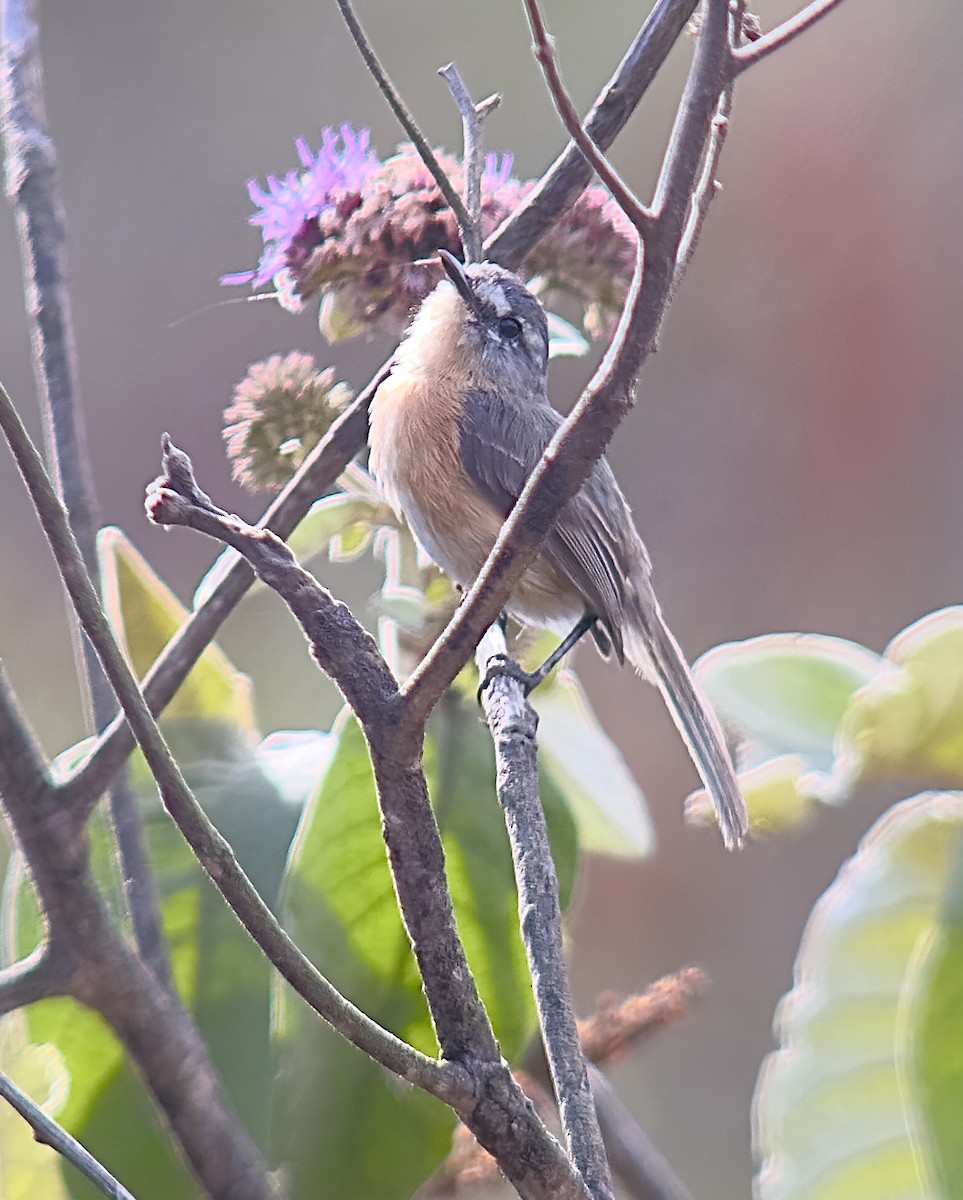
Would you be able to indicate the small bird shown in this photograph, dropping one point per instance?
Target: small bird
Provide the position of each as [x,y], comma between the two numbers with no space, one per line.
[456,430]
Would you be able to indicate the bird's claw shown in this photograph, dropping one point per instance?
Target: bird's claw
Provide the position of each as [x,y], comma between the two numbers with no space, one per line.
[502,664]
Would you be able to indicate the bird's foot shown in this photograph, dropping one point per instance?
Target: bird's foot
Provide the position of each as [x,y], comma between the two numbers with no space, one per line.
[502,665]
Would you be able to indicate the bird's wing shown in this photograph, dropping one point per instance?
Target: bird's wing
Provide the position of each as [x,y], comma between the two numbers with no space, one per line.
[500,446]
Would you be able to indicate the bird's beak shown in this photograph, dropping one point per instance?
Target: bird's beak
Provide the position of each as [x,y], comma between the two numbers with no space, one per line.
[457,274]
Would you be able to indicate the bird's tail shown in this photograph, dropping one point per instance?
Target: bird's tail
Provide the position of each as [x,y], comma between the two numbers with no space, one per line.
[655,654]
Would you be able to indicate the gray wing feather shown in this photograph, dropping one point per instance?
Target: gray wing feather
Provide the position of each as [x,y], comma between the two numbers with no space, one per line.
[500,447]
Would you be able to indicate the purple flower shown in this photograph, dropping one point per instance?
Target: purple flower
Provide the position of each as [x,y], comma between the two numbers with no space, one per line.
[339,167]
[364,235]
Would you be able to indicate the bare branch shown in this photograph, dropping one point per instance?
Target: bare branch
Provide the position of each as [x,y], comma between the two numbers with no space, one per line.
[47,1131]
[472,119]
[641,1167]
[403,114]
[34,190]
[347,652]
[213,852]
[571,173]
[318,472]
[637,213]
[42,974]
[782,35]
[513,723]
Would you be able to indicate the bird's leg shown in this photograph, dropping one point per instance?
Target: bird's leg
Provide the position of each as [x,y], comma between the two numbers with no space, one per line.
[501,664]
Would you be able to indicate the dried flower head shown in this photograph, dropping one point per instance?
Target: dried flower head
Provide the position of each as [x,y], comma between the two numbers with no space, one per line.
[280,410]
[363,234]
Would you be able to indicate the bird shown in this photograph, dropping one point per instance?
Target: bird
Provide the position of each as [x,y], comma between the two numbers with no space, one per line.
[456,429]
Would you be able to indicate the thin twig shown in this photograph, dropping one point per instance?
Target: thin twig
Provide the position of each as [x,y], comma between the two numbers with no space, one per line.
[782,35]
[403,114]
[645,1173]
[513,723]
[34,190]
[47,1130]
[472,120]
[571,173]
[633,208]
[212,851]
[37,977]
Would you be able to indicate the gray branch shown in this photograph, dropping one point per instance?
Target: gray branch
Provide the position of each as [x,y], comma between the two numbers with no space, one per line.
[513,723]
[472,119]
[34,190]
[47,1130]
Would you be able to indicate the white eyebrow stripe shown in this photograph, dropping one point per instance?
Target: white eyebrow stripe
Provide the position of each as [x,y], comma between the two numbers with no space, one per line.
[493,294]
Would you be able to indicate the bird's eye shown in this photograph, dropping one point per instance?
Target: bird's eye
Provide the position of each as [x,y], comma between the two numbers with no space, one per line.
[509,328]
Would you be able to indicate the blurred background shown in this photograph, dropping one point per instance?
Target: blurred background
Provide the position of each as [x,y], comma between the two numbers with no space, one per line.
[793,461]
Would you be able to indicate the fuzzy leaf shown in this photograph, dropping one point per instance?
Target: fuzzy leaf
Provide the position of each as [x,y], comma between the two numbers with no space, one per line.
[29,1169]
[787,691]
[835,1106]
[908,721]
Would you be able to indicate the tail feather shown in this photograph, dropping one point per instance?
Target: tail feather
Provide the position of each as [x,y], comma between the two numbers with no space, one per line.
[651,648]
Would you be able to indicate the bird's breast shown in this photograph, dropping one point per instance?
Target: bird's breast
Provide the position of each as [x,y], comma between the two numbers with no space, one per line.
[415,441]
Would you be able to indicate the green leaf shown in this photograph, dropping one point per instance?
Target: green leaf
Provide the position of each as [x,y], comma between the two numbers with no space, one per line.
[787,692]
[341,908]
[145,614]
[334,516]
[221,975]
[835,1106]
[585,765]
[908,722]
[934,1008]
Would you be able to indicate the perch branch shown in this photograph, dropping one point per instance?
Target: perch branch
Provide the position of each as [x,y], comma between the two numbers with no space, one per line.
[513,723]
[474,1081]
[47,1131]
[782,35]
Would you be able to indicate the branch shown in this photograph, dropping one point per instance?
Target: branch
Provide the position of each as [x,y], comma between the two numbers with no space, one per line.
[47,1131]
[85,957]
[37,977]
[644,1171]
[513,722]
[570,174]
[403,114]
[34,190]
[347,652]
[472,118]
[782,35]
[548,60]
[318,472]
[213,852]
